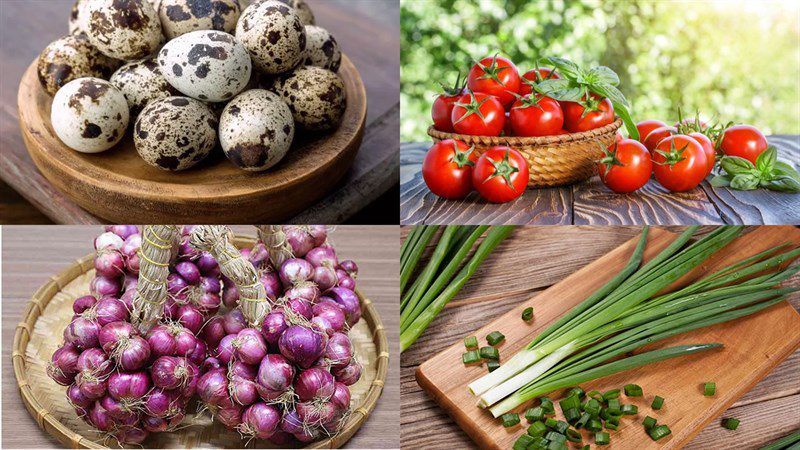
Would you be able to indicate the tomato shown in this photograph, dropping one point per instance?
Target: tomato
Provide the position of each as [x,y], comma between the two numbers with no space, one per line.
[657,135]
[626,166]
[467,120]
[679,163]
[507,131]
[646,126]
[447,168]
[534,76]
[587,115]
[536,116]
[442,107]
[708,149]
[744,141]
[500,175]
[618,137]
[496,76]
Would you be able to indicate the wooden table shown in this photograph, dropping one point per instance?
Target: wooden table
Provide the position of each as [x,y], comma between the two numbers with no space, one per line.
[591,203]
[537,258]
[368,31]
[32,254]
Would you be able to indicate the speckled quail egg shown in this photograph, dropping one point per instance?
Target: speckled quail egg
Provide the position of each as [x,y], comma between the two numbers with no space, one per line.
[301,9]
[315,96]
[123,29]
[89,115]
[142,82]
[72,57]
[206,65]
[76,16]
[183,16]
[274,36]
[321,49]
[175,133]
[256,130]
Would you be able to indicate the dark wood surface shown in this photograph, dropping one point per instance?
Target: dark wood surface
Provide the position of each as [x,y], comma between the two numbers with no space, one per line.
[540,257]
[591,203]
[27,264]
[368,31]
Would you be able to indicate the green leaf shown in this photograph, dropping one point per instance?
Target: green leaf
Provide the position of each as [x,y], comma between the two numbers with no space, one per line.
[745,182]
[567,68]
[560,89]
[602,75]
[625,115]
[721,181]
[783,184]
[613,94]
[765,162]
[553,85]
[783,169]
[736,165]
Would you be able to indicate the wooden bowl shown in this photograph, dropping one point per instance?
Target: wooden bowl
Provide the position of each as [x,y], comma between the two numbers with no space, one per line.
[50,309]
[118,186]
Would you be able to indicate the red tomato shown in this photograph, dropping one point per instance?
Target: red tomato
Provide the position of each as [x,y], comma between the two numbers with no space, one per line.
[744,141]
[534,76]
[679,163]
[587,115]
[496,76]
[507,131]
[447,168]
[618,137]
[442,107]
[561,131]
[658,135]
[478,114]
[500,175]
[626,166]
[708,149]
[646,126]
[536,116]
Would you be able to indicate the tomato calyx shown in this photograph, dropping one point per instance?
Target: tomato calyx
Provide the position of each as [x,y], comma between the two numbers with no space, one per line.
[493,71]
[473,107]
[456,89]
[528,101]
[590,104]
[609,159]
[538,77]
[461,159]
[673,156]
[503,169]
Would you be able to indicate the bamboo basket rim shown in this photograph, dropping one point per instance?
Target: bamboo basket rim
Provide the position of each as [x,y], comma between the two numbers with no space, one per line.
[529,141]
[39,300]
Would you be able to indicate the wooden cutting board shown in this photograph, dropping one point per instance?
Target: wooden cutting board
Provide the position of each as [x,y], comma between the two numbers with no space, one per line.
[754,345]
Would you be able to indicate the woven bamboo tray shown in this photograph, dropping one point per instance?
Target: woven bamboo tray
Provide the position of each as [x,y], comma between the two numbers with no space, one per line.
[552,160]
[40,332]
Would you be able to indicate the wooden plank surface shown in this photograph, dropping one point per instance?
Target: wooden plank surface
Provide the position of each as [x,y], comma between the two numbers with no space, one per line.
[368,31]
[425,425]
[32,254]
[591,203]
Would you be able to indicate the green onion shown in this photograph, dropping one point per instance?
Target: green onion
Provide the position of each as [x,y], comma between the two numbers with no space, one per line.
[492,366]
[471,342]
[649,423]
[495,337]
[547,405]
[784,443]
[569,402]
[608,395]
[709,389]
[609,425]
[658,402]
[633,390]
[557,445]
[659,431]
[425,235]
[510,419]
[551,422]
[561,426]
[597,395]
[578,392]
[592,407]
[527,314]
[489,353]
[538,443]
[573,436]
[534,414]
[471,357]
[537,429]
[572,415]
[630,410]
[613,420]
[585,447]
[731,423]
[614,407]
[602,438]
[522,442]
[594,425]
[555,436]
[583,420]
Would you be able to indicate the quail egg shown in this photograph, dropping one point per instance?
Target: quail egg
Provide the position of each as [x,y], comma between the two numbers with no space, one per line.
[321,49]
[89,115]
[72,57]
[301,9]
[175,133]
[206,65]
[76,17]
[123,29]
[256,130]
[142,82]
[274,36]
[182,16]
[315,96]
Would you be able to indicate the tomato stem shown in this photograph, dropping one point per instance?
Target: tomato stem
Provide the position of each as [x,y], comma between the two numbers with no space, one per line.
[503,169]
[473,107]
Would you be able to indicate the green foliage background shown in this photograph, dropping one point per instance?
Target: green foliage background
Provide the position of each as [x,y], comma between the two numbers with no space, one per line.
[732,60]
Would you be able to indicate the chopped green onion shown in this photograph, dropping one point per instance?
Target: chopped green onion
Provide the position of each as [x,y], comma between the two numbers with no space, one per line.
[659,431]
[614,407]
[649,423]
[573,436]
[569,402]
[561,427]
[550,422]
[489,353]
[602,438]
[547,405]
[731,423]
[597,395]
[633,390]
[658,402]
[527,314]
[510,419]
[583,420]
[585,447]
[592,407]
[471,342]
[614,420]
[495,337]
[709,389]
[537,429]
[572,415]
[608,395]
[522,442]
[471,357]
[594,425]
[554,436]
[578,392]
[492,365]
[630,410]
[611,425]
[557,445]
[534,414]
[538,443]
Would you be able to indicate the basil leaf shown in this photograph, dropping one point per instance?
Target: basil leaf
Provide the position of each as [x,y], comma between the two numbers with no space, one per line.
[612,93]
[782,184]
[602,75]
[744,182]
[630,125]
[765,162]
[782,168]
[566,67]
[560,89]
[721,181]
[736,165]
[553,85]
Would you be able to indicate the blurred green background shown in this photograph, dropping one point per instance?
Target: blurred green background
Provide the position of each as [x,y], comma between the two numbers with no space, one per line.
[732,60]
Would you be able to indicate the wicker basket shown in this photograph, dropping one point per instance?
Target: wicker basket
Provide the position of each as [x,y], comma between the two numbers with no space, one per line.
[552,160]
[50,310]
